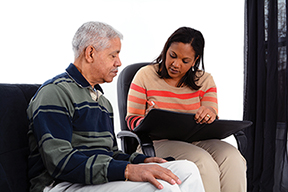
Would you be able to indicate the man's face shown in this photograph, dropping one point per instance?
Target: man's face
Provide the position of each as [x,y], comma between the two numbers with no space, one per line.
[106,63]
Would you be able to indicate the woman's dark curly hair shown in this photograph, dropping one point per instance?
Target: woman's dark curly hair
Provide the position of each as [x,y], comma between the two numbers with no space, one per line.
[196,40]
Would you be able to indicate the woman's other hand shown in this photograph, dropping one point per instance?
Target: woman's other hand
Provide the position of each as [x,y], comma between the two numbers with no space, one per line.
[205,115]
[154,160]
[151,106]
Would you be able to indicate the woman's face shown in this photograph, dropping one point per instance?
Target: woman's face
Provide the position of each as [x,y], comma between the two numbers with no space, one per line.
[179,59]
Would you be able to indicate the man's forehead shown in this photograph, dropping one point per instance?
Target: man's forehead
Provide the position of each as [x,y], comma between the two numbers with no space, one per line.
[115,45]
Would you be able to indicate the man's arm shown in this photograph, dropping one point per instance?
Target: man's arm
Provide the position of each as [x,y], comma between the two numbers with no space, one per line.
[52,124]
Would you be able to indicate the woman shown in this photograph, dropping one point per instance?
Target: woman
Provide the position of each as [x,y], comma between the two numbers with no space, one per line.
[175,82]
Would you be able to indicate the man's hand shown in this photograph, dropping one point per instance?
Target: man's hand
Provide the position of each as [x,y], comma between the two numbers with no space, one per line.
[151,172]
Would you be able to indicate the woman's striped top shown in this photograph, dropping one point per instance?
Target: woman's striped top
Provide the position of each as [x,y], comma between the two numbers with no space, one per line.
[147,86]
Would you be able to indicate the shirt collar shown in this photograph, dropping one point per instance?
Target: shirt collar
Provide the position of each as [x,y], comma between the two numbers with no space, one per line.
[73,72]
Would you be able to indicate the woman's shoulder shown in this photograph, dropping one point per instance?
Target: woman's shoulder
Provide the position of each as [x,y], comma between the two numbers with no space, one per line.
[203,74]
[205,78]
[149,67]
[148,70]
[145,74]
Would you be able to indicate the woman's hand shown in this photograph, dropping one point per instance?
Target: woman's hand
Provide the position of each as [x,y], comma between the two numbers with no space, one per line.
[154,160]
[205,115]
[151,106]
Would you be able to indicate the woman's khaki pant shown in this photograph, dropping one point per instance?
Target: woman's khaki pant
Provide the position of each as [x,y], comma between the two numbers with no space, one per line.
[221,166]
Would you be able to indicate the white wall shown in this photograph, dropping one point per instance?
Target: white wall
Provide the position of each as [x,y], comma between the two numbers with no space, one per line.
[36,39]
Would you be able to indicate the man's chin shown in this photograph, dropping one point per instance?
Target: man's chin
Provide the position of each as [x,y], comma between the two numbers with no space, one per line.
[108,80]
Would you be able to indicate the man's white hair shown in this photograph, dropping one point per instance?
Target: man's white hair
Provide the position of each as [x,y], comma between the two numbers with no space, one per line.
[93,33]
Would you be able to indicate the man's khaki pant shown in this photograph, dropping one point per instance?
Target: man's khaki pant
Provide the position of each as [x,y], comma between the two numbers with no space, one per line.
[186,171]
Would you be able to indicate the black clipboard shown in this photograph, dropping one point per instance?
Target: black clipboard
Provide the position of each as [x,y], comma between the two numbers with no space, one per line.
[164,124]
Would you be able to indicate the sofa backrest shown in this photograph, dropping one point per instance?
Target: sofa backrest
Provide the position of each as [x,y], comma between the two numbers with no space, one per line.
[14,99]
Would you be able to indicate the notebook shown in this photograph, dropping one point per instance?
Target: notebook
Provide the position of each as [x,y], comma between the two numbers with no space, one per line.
[164,124]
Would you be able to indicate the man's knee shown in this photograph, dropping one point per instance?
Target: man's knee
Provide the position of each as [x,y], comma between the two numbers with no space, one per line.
[186,165]
[168,187]
[183,168]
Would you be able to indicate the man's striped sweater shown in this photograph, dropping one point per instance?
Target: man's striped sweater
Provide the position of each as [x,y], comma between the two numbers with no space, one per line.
[147,86]
[71,134]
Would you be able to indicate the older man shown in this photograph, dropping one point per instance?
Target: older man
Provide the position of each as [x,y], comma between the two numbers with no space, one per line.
[72,141]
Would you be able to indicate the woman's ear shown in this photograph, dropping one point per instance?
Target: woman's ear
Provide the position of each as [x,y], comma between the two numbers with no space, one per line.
[89,54]
[195,60]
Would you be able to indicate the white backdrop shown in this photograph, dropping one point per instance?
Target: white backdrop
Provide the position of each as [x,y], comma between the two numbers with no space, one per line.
[36,39]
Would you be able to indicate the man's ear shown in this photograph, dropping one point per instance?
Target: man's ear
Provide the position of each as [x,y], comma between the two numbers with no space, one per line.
[89,54]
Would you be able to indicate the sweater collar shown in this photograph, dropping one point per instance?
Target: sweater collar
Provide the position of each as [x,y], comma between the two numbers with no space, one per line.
[73,72]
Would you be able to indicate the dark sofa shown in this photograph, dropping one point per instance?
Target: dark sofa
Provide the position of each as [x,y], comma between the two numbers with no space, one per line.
[14,99]
[14,151]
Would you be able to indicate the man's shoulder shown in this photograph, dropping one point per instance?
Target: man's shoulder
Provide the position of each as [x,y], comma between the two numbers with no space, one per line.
[61,81]
[61,78]
[56,85]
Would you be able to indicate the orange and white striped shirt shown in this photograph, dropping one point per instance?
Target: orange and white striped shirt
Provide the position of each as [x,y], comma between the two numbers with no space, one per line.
[147,86]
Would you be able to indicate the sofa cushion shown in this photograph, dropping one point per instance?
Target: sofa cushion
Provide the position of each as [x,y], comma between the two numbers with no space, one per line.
[4,186]
[14,99]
